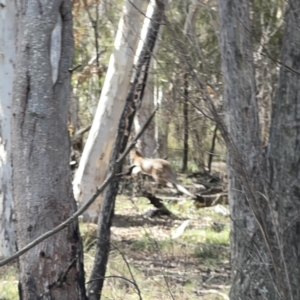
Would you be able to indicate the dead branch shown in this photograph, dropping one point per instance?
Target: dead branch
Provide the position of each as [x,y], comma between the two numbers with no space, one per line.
[211,200]
[157,202]
[80,132]
[211,291]
[180,230]
[212,191]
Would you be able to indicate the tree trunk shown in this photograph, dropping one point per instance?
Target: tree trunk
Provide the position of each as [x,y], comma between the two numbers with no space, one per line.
[162,121]
[188,29]
[7,61]
[263,192]
[133,100]
[94,162]
[40,152]
[185,124]
[247,246]
[212,149]
[284,159]
[147,143]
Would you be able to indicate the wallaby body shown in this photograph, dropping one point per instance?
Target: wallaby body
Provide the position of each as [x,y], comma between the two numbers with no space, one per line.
[159,169]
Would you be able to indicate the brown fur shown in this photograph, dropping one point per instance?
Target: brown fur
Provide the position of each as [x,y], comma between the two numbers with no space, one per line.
[159,169]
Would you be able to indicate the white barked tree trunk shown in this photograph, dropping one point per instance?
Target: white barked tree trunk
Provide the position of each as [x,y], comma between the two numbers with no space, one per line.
[7,64]
[94,162]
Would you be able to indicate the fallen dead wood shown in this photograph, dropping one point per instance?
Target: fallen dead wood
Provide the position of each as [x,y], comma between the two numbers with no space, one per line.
[212,200]
[180,230]
[206,184]
[170,198]
[161,210]
[202,200]
[80,132]
[212,191]
[211,291]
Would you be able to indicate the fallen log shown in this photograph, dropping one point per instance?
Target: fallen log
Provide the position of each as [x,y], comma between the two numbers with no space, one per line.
[161,210]
[212,200]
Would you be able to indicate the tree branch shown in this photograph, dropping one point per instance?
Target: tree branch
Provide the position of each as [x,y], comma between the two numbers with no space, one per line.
[88,203]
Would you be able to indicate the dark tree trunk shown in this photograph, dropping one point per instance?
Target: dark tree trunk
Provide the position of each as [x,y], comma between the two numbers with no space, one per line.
[133,100]
[212,149]
[40,150]
[185,124]
[264,187]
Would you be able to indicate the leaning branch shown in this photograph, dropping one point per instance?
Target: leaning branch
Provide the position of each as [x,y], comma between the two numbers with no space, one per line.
[87,204]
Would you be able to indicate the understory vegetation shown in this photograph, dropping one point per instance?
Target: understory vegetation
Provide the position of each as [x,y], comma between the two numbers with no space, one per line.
[147,257]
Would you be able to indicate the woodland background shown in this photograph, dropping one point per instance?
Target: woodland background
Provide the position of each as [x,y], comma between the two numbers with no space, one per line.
[225,75]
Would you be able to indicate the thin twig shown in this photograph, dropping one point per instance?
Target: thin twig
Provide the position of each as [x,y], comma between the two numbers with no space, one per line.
[80,211]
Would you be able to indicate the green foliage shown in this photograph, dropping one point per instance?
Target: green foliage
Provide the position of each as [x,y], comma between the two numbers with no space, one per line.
[9,282]
[208,236]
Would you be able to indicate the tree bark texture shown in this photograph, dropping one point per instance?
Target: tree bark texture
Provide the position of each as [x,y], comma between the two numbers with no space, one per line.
[212,149]
[283,158]
[40,151]
[263,187]
[188,30]
[133,101]
[185,124]
[7,69]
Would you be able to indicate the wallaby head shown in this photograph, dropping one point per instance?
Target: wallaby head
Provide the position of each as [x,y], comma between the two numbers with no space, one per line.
[135,154]
[138,153]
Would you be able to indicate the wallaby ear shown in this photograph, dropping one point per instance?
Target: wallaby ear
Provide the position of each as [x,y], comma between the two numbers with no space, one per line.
[138,153]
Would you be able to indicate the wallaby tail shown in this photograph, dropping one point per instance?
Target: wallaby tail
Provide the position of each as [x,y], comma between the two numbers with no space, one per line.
[183,190]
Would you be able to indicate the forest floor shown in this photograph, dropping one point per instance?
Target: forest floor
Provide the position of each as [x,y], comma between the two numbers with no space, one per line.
[185,256]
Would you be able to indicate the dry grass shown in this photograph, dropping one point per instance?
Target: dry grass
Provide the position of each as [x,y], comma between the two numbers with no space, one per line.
[193,266]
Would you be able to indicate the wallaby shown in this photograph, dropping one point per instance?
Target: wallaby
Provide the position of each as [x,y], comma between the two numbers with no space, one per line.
[159,169]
